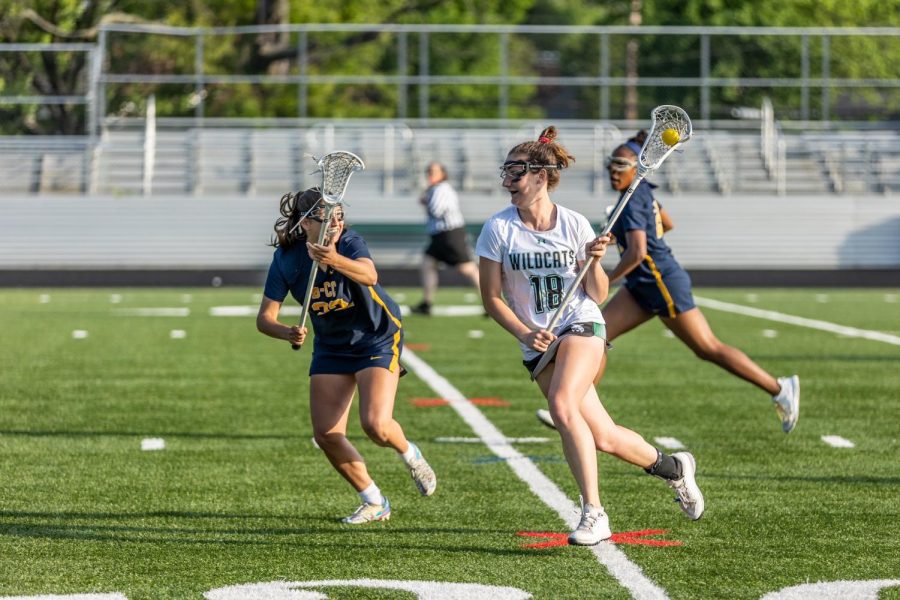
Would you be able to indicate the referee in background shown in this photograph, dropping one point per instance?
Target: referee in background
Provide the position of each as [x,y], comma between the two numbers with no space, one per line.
[446,228]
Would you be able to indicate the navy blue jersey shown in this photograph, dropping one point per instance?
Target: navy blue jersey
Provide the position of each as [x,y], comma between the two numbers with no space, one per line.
[642,213]
[346,316]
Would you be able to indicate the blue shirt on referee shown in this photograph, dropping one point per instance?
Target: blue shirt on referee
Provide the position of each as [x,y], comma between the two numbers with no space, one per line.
[345,315]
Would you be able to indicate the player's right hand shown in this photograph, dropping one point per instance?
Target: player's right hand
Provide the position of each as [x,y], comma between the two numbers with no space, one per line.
[538,340]
[297,335]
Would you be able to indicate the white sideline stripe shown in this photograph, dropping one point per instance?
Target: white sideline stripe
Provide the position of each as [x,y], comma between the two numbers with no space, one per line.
[627,573]
[248,311]
[458,310]
[148,444]
[475,440]
[178,334]
[836,441]
[79,334]
[877,336]
[161,311]
[669,443]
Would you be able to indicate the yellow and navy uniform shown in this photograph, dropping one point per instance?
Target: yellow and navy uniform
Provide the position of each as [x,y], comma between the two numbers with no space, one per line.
[659,284]
[356,326]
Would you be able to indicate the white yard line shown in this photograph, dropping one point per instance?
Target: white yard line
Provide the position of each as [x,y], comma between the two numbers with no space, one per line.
[627,573]
[669,443]
[836,441]
[771,315]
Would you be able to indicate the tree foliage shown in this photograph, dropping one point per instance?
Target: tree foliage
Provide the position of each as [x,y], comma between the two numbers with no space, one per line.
[449,54]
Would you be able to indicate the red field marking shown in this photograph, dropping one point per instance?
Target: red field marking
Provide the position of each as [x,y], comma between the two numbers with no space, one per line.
[428,402]
[418,347]
[637,537]
[489,401]
[626,537]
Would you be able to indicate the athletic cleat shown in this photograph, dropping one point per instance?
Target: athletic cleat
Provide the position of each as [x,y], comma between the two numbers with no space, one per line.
[422,474]
[687,493]
[593,528]
[543,415]
[423,308]
[787,402]
[366,513]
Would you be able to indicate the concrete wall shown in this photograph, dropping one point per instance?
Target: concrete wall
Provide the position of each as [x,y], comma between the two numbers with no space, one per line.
[187,232]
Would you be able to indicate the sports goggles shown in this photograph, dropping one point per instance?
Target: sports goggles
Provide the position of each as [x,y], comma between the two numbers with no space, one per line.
[517,168]
[620,164]
[336,216]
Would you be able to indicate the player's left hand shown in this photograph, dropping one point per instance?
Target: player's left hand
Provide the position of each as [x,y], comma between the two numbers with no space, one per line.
[597,247]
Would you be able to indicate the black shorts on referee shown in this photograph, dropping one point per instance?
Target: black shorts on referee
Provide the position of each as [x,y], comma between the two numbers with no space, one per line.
[450,247]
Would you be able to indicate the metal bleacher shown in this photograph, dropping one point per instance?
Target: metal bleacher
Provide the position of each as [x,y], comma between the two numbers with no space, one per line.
[266,161]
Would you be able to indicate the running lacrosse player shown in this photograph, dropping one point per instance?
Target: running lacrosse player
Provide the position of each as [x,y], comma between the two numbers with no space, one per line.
[357,343]
[531,253]
[657,286]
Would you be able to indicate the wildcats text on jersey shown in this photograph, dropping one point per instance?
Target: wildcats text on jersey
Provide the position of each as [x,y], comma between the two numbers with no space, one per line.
[526,261]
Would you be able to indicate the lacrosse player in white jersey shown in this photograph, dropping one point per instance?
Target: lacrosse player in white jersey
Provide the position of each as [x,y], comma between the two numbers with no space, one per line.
[530,254]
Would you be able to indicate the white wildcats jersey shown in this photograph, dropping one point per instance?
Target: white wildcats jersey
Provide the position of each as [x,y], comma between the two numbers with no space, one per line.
[539,266]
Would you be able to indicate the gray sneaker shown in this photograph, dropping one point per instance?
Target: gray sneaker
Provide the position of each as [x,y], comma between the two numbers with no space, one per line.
[422,473]
[687,493]
[543,415]
[787,402]
[593,527]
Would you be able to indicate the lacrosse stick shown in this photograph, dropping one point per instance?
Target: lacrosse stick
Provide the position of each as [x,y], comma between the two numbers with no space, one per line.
[671,127]
[336,169]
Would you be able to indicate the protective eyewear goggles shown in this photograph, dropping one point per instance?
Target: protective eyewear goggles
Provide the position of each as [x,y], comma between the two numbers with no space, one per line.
[320,218]
[620,164]
[518,168]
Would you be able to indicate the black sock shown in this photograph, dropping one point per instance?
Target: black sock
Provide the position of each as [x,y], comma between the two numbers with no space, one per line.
[665,467]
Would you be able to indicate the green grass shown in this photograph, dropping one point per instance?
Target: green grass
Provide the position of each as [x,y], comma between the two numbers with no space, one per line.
[240,494]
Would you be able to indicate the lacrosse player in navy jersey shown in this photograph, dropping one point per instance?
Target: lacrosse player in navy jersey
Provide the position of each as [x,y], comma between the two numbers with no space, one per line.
[531,253]
[357,343]
[657,286]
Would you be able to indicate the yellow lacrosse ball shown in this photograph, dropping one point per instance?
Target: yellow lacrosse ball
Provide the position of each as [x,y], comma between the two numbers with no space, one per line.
[670,137]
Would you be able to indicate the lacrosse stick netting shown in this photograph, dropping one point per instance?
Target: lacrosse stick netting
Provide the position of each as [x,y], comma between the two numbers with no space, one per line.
[336,169]
[653,153]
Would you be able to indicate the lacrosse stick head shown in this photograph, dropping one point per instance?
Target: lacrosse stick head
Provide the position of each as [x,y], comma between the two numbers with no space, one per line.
[336,169]
[671,127]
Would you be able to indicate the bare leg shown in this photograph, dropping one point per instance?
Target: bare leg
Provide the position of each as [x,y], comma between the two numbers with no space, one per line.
[692,328]
[565,385]
[470,271]
[330,399]
[377,389]
[429,271]
[621,442]
[622,314]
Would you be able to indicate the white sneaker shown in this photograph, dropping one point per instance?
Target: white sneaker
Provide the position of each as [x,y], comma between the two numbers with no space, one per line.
[687,493]
[593,528]
[787,402]
[422,473]
[543,415]
[366,513]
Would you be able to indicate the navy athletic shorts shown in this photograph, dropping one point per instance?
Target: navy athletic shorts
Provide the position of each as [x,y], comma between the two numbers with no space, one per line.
[668,296]
[334,362]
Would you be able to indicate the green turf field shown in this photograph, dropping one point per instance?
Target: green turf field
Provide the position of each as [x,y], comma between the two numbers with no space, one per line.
[240,495]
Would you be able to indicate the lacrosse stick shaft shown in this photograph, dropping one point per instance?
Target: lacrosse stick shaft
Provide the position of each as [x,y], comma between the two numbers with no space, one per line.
[620,206]
[304,310]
